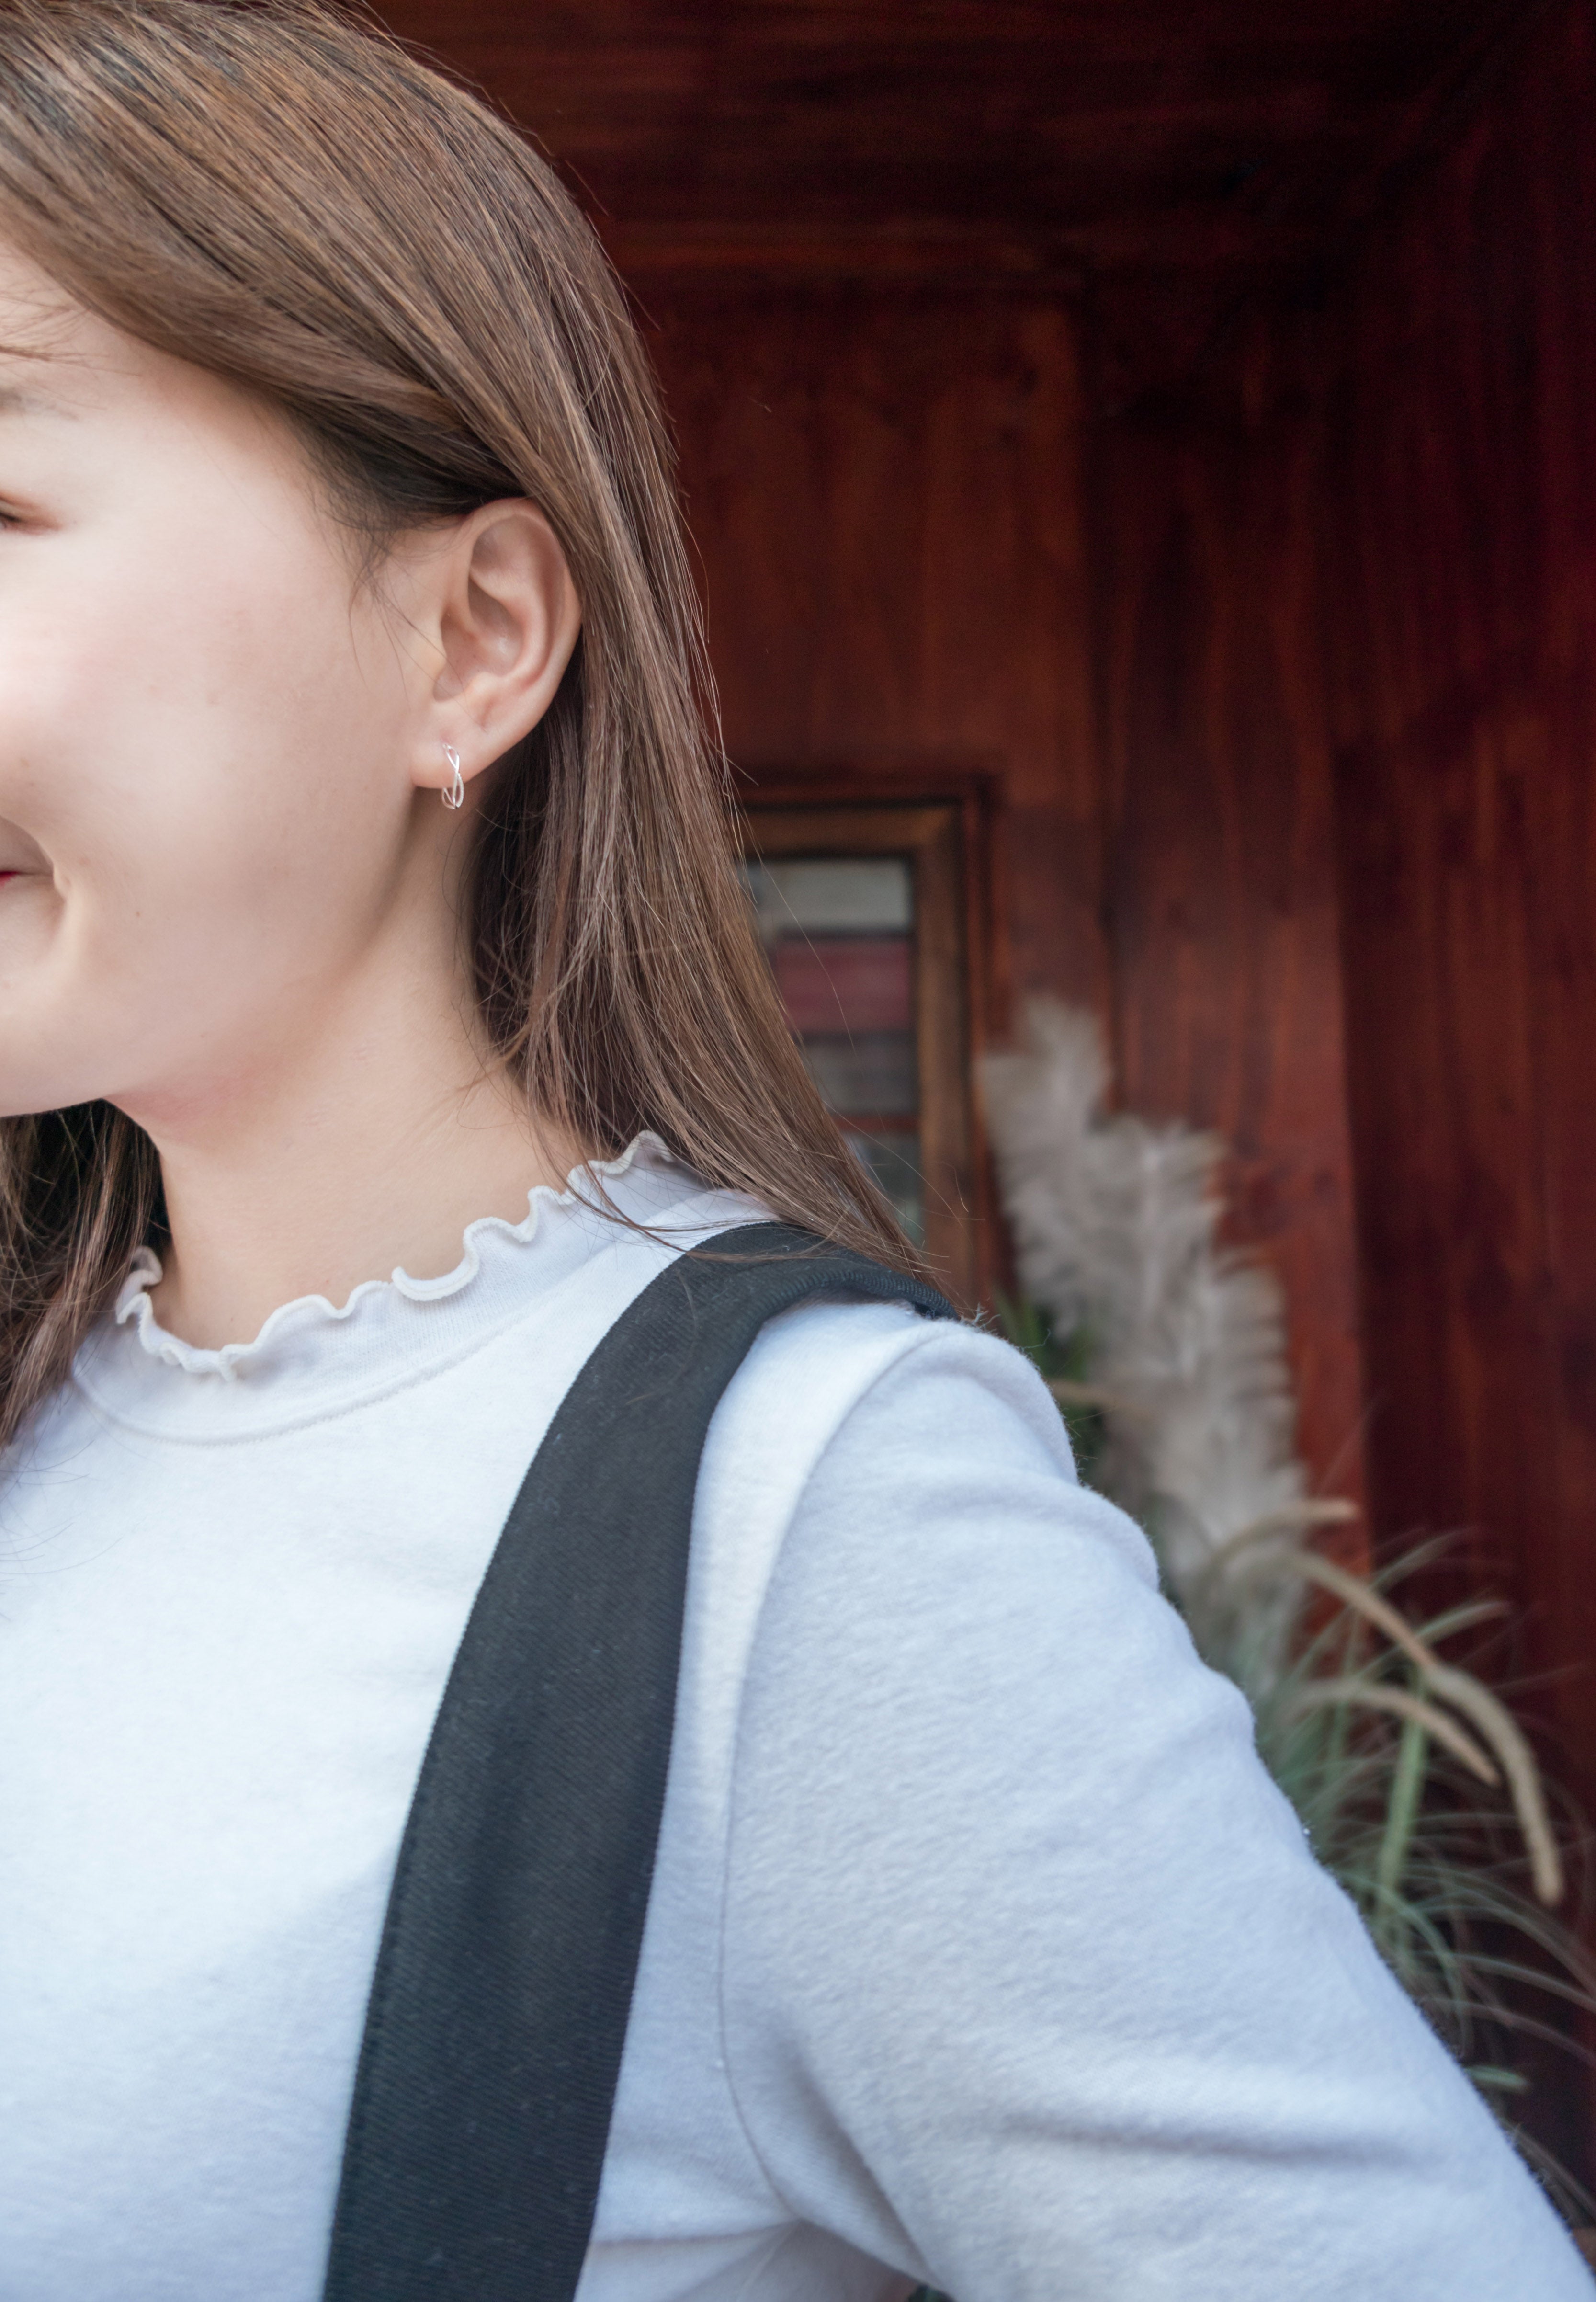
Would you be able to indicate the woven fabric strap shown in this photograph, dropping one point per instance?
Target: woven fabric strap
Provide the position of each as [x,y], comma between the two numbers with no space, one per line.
[504,1980]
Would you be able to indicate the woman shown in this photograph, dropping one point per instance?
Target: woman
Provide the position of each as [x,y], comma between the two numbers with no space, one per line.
[363,872]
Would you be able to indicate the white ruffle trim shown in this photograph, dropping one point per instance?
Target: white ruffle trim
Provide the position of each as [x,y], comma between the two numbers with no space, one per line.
[488,1233]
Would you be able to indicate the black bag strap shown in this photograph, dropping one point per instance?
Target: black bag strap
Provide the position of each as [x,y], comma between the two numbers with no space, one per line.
[504,1981]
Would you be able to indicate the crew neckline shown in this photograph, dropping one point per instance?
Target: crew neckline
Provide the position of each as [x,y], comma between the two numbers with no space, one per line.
[312,1359]
[229,1362]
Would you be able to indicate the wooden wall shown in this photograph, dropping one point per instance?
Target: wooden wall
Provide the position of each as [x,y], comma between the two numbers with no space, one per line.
[1220,871]
[891,490]
[884,489]
[1458,439]
[1284,688]
[1346,585]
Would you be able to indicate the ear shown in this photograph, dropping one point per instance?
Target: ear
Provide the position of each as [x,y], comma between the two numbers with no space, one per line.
[508,618]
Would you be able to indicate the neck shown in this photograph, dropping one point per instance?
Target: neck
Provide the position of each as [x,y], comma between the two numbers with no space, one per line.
[364,1141]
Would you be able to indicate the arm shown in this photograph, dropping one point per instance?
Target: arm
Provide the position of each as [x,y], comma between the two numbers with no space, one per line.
[1032,1986]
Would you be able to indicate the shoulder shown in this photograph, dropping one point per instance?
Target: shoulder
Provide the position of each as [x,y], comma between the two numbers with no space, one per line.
[875,1400]
[888,1476]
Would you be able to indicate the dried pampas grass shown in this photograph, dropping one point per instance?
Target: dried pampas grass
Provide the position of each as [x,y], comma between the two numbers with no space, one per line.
[1114,1222]
[1166,1351]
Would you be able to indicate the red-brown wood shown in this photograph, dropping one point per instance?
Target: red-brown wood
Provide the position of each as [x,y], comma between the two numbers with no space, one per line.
[1220,871]
[1459,457]
[1359,555]
[1174,152]
[885,495]
[1134,128]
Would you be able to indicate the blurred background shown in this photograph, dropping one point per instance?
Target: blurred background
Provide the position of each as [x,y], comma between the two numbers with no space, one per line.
[1141,456]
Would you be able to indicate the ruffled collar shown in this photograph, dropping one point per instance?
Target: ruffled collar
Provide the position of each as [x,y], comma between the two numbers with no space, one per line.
[312,1356]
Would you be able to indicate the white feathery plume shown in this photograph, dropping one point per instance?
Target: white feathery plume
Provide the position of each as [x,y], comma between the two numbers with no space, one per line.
[1115,1223]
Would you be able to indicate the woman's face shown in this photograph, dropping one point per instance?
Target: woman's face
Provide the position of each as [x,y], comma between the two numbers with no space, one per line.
[209,819]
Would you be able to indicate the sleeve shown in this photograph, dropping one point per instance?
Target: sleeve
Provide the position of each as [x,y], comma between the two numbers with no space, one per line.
[1031,1987]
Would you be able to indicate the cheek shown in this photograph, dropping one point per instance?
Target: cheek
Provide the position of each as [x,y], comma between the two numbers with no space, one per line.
[207,762]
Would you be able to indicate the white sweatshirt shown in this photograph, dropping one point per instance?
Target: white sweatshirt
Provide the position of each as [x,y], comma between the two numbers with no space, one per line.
[980,1948]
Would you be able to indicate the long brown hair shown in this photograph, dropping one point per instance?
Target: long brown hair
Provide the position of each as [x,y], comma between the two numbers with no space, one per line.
[281,194]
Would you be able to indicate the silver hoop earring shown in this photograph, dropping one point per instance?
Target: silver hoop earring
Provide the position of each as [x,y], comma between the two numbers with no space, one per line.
[455,796]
